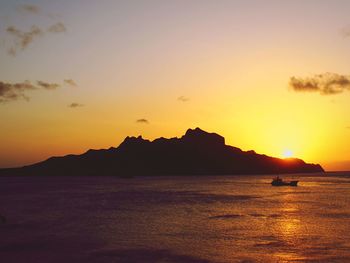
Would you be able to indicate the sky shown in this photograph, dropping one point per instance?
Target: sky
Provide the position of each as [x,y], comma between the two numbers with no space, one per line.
[269,76]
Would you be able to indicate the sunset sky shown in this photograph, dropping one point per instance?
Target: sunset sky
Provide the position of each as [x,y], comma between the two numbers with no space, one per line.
[272,76]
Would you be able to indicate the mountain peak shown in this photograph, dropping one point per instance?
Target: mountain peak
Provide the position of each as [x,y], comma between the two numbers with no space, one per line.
[196,130]
[199,136]
[132,140]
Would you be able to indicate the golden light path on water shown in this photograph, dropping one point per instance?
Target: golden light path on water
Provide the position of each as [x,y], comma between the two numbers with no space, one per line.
[289,228]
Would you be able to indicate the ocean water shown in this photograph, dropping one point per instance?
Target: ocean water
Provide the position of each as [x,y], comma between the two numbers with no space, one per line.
[174,219]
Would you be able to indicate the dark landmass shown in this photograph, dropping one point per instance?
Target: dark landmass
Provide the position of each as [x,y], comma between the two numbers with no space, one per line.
[196,153]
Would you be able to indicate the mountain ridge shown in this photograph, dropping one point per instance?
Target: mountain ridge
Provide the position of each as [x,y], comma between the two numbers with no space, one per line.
[197,152]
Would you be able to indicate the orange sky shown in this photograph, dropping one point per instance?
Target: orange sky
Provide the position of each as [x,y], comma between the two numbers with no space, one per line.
[231,62]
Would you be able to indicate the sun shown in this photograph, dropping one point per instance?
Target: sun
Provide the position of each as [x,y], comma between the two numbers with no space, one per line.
[287,153]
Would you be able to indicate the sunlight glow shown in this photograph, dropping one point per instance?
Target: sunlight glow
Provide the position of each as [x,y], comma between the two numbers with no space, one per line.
[287,153]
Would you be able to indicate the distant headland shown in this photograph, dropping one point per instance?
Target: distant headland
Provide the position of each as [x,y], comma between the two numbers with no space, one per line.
[195,153]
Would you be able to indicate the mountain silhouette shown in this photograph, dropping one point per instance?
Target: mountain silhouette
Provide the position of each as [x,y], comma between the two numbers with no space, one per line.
[195,153]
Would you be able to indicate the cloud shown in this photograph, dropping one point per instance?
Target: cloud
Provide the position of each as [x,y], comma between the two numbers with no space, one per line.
[33,9]
[47,85]
[183,99]
[22,38]
[325,84]
[15,91]
[57,28]
[75,105]
[70,82]
[144,121]
[12,51]
[345,31]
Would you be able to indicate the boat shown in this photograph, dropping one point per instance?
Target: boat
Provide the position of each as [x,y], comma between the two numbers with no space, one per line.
[279,182]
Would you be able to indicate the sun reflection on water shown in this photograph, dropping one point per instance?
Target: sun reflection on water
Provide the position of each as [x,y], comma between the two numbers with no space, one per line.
[288,229]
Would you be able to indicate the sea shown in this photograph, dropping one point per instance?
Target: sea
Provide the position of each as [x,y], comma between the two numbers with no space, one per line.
[175,219]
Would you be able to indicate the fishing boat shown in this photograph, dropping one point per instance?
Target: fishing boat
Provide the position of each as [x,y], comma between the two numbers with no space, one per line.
[279,182]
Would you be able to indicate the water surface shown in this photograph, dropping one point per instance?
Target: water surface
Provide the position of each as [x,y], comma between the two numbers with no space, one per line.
[174,219]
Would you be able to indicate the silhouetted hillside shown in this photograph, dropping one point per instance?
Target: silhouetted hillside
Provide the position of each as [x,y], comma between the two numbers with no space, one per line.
[197,152]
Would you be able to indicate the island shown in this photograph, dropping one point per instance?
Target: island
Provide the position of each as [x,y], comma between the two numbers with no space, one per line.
[196,153]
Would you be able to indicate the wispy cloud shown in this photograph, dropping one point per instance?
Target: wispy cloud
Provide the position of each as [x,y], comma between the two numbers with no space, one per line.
[57,28]
[22,38]
[183,99]
[345,31]
[15,91]
[33,9]
[325,84]
[70,82]
[144,121]
[75,105]
[47,85]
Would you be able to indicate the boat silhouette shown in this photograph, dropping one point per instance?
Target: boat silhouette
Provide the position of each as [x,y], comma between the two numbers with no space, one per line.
[277,181]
